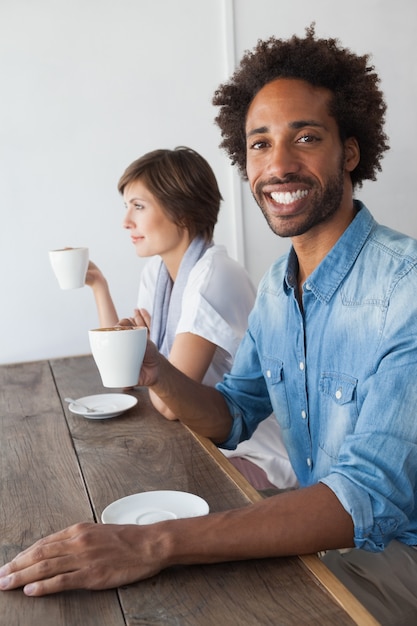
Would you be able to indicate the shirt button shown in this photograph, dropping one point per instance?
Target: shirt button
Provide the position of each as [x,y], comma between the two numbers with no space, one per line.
[308,286]
[308,461]
[303,414]
[268,373]
[301,365]
[338,394]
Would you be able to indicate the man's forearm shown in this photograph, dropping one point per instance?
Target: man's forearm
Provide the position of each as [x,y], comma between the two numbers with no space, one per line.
[303,521]
[200,407]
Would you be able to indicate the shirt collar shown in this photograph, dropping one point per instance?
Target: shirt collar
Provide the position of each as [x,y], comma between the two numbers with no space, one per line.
[327,276]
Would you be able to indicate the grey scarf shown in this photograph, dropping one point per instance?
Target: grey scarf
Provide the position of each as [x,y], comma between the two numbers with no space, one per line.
[168,296]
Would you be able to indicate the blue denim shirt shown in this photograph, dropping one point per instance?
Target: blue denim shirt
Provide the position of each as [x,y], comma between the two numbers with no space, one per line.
[341,376]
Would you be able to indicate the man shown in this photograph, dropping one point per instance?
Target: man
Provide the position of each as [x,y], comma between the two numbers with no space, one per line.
[331,349]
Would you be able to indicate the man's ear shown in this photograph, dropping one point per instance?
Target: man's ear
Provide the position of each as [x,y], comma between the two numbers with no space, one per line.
[352,154]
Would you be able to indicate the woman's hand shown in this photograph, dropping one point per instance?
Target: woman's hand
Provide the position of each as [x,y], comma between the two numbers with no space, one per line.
[142,318]
[94,276]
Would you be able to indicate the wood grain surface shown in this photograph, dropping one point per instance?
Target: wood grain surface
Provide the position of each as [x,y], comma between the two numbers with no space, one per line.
[58,468]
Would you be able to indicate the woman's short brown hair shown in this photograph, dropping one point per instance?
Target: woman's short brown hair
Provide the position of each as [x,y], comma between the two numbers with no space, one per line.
[184,184]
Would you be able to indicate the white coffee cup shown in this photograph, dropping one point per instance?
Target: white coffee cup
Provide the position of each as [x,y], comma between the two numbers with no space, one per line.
[118,353]
[70,266]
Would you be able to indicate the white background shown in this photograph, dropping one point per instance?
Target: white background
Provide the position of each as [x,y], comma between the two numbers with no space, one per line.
[89,85]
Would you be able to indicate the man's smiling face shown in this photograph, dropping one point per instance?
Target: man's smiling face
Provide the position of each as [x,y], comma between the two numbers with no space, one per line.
[294,156]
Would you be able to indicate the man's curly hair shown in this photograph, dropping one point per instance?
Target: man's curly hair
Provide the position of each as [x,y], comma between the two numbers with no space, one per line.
[358,104]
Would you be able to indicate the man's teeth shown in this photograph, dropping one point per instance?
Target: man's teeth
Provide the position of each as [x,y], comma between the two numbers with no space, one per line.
[286,197]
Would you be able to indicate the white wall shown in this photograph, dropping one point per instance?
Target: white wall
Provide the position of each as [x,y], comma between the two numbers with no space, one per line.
[87,87]
[90,85]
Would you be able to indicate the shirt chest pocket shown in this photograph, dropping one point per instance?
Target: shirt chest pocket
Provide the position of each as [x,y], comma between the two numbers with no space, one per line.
[338,410]
[339,387]
[273,371]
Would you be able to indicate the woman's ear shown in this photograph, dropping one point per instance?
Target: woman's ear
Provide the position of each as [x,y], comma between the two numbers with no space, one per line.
[352,154]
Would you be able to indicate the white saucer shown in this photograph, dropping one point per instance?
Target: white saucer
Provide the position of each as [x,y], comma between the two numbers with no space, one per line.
[105,404]
[154,506]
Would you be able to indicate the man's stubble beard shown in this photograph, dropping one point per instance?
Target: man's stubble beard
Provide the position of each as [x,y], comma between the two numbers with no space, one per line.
[323,206]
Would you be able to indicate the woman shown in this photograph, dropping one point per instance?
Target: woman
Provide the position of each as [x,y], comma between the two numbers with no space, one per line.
[193,297]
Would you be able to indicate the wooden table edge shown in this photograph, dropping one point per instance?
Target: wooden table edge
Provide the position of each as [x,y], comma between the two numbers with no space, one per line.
[312,562]
[338,591]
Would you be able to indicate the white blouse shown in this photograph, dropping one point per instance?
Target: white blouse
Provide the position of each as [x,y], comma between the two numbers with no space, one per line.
[216,303]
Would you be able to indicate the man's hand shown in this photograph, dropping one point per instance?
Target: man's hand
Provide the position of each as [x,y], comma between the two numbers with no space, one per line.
[83,556]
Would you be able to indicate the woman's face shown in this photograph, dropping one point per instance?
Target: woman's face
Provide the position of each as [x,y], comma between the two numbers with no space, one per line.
[151,230]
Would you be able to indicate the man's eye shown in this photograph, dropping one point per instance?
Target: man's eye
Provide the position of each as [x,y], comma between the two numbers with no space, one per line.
[307,139]
[258,145]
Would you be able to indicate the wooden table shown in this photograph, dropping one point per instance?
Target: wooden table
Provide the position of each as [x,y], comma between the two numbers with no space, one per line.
[57,468]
